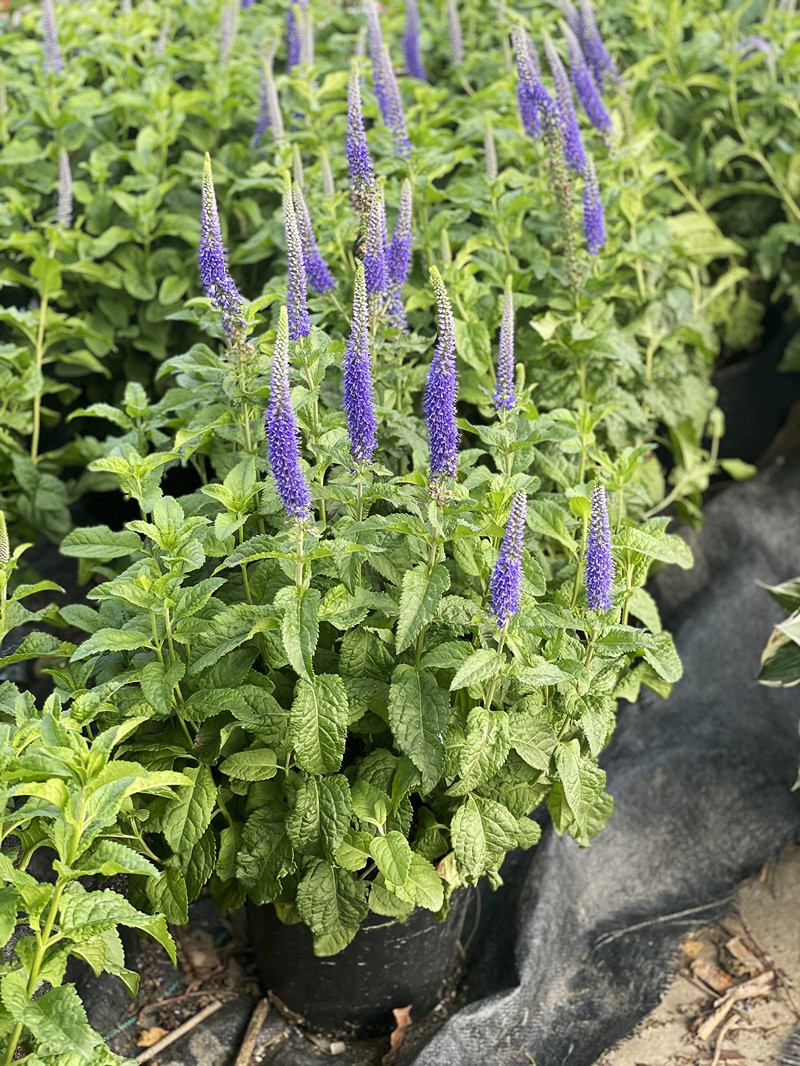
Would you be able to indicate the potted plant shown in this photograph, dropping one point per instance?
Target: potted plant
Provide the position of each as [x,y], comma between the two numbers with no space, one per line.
[372,664]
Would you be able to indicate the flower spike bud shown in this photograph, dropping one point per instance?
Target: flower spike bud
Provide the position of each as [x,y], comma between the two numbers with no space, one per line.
[357,398]
[535,102]
[585,87]
[398,258]
[298,177]
[219,285]
[306,37]
[455,33]
[5,548]
[283,444]
[299,326]
[375,251]
[440,396]
[53,63]
[163,34]
[272,103]
[228,24]
[64,211]
[397,118]
[328,186]
[507,574]
[574,154]
[489,150]
[571,16]
[504,398]
[358,160]
[594,228]
[384,84]
[411,49]
[601,63]
[317,273]
[599,561]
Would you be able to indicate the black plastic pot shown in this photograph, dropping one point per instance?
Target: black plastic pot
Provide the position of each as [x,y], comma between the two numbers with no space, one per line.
[387,965]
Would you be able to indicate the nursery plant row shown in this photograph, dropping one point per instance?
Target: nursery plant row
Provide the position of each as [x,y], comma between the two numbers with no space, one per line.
[388,495]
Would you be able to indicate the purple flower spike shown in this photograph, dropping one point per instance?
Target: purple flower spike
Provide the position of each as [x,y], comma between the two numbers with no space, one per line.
[283,445]
[584,85]
[600,62]
[572,16]
[375,268]
[299,326]
[594,227]
[440,395]
[398,258]
[358,160]
[504,398]
[317,273]
[357,378]
[219,285]
[507,573]
[264,116]
[53,63]
[411,42]
[294,33]
[455,33]
[599,562]
[64,212]
[384,84]
[247,3]
[574,154]
[535,102]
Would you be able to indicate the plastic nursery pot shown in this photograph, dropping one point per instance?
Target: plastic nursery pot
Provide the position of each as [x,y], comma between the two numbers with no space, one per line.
[388,964]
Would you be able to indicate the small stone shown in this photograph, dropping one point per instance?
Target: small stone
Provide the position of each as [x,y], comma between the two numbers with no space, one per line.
[338,1047]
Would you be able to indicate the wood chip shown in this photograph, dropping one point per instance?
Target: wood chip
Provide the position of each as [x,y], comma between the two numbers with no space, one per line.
[692,948]
[712,975]
[756,986]
[151,1036]
[402,1021]
[737,947]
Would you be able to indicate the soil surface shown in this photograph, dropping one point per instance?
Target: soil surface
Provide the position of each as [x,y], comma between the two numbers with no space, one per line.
[755,949]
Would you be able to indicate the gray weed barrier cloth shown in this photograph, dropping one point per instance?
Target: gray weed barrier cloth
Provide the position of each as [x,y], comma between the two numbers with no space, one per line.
[577,946]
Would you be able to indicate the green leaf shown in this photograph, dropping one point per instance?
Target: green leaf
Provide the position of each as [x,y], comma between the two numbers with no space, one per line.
[482,831]
[419,712]
[667,548]
[318,723]
[370,804]
[421,595]
[423,887]
[9,898]
[167,893]
[85,914]
[110,857]
[255,764]
[533,738]
[100,543]
[112,640]
[484,751]
[663,657]
[353,853]
[447,656]
[332,904]
[300,627]
[265,856]
[189,815]
[158,681]
[35,645]
[392,854]
[481,665]
[56,1019]
[581,779]
[320,816]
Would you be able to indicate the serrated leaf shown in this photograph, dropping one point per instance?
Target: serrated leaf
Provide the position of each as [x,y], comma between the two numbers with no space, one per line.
[392,854]
[663,658]
[318,723]
[112,640]
[582,781]
[85,914]
[420,597]
[56,1019]
[320,815]
[167,893]
[667,548]
[9,897]
[110,857]
[255,764]
[189,815]
[482,831]
[447,656]
[423,887]
[158,681]
[481,665]
[100,543]
[484,750]
[265,856]
[332,904]
[419,712]
[353,853]
[533,738]
[300,627]
[370,804]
